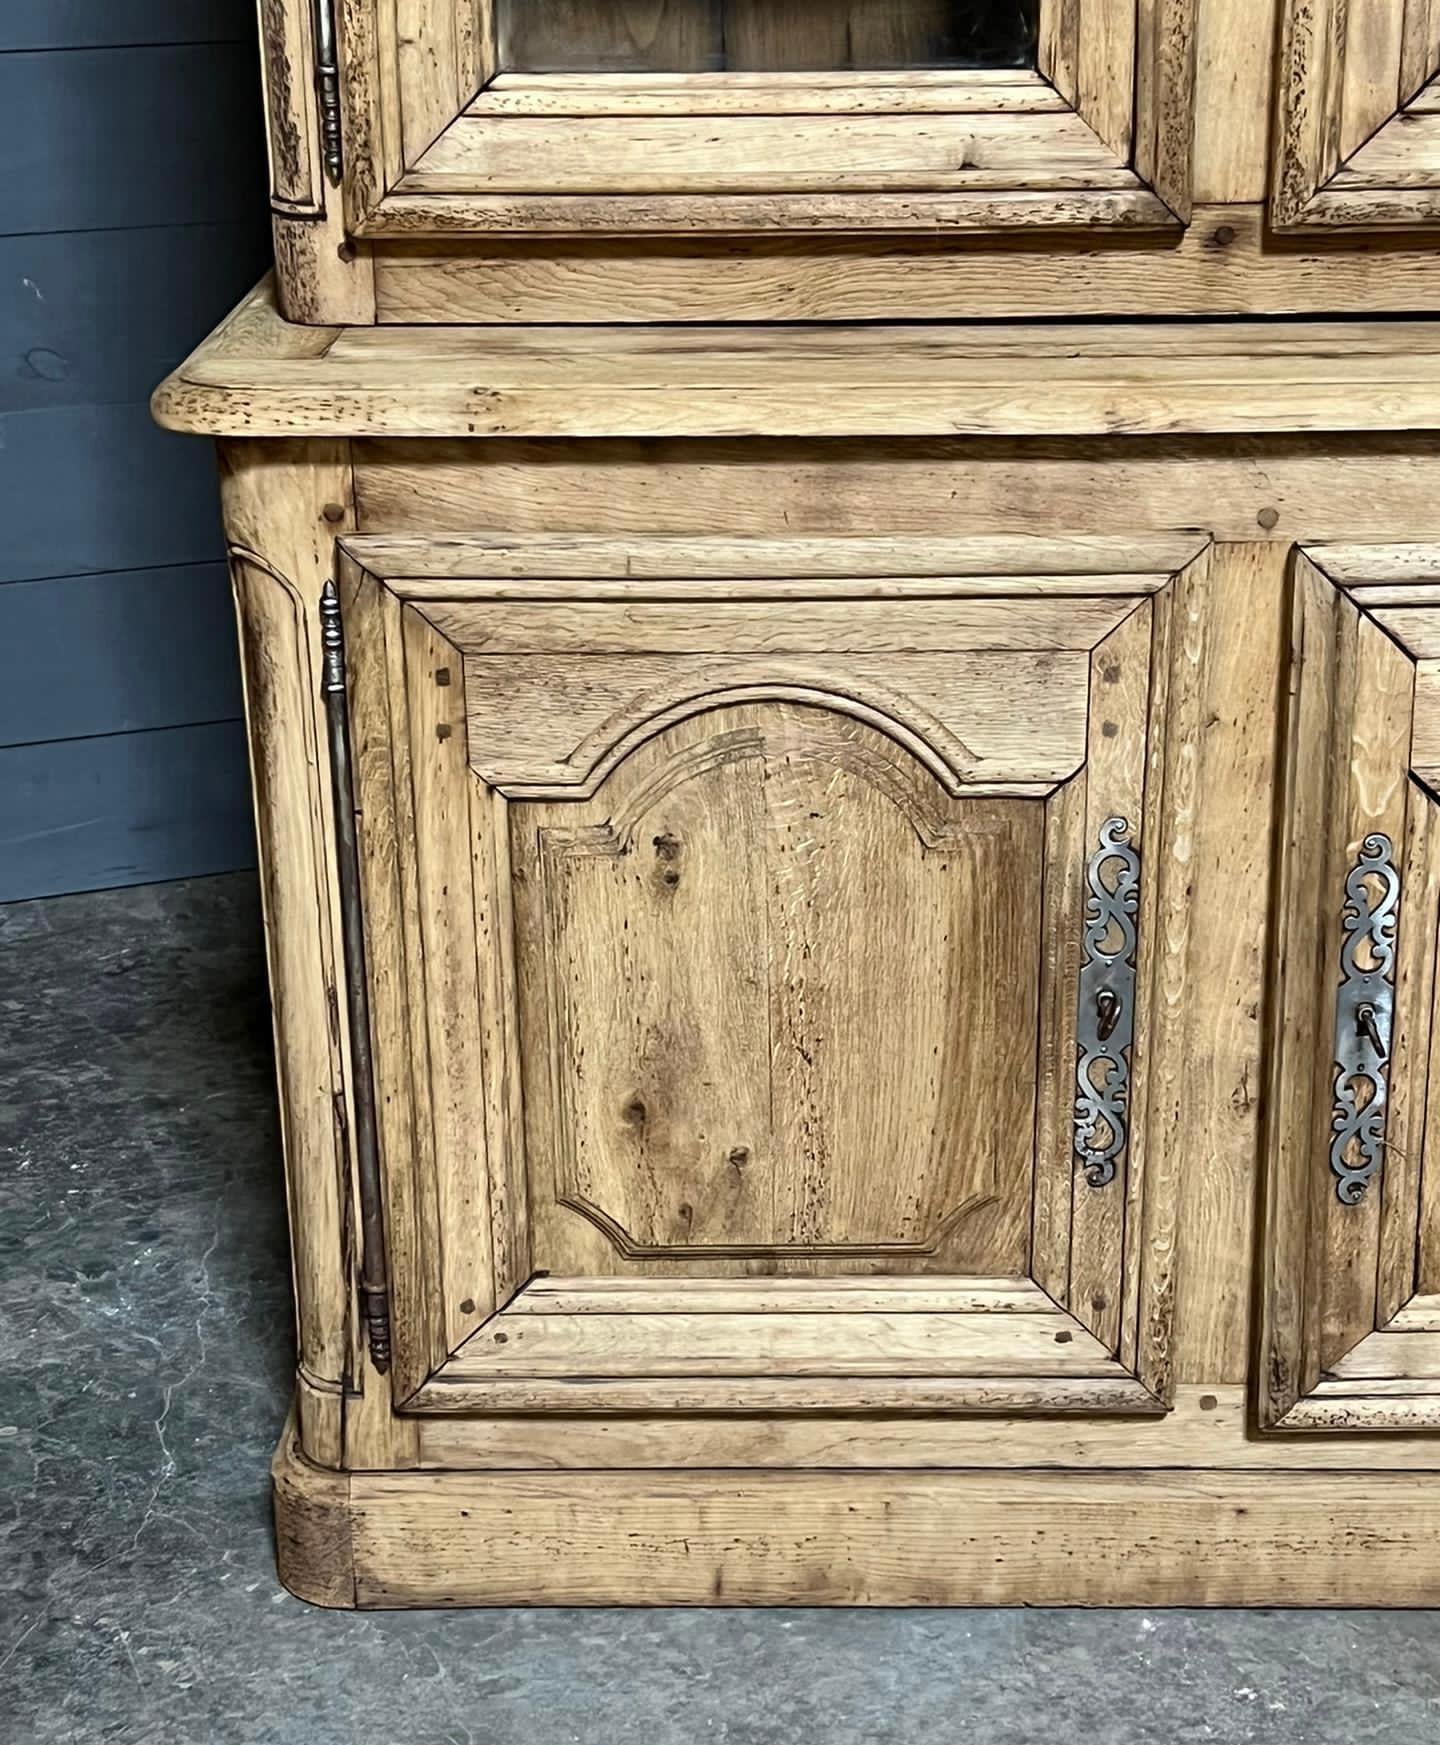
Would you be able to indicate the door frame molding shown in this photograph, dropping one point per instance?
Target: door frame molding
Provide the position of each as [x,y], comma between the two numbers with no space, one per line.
[1357,117]
[418,78]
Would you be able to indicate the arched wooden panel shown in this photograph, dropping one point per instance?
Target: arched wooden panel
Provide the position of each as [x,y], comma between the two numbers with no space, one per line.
[781,995]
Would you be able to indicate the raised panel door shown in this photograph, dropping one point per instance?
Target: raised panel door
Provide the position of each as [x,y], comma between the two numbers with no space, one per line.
[761,971]
[1351,1283]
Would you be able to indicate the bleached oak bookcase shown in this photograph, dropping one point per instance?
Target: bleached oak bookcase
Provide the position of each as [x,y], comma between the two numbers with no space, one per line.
[851,860]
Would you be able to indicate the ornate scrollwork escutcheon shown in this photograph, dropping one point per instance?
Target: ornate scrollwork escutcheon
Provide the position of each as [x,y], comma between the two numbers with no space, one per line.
[1364,1018]
[1105,1027]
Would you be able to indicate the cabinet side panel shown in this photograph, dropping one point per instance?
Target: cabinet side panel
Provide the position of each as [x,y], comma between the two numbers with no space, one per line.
[284,505]
[276,661]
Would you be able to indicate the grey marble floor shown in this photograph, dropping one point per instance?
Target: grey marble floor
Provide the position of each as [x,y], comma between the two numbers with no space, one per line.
[144,1350]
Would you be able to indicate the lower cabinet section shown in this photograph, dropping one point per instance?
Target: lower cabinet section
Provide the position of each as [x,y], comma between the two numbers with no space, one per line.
[893,1538]
[824,1065]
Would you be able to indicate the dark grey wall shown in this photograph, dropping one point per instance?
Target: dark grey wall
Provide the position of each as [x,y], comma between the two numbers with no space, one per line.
[132,216]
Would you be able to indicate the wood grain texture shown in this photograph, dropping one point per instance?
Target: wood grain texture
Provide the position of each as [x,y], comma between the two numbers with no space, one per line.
[1212,936]
[765,93]
[1223,264]
[446,920]
[1062,931]
[1117,759]
[1297,971]
[1405,1220]
[1354,146]
[1267,491]
[1370,755]
[1420,47]
[287,62]
[658,155]
[375,662]
[1108,1394]
[1207,1428]
[893,1539]
[540,566]
[784,1346]
[552,1294]
[796,381]
[813,627]
[424,159]
[1235,45]
[1369,91]
[1126,80]
[275,522]
[279,665]
[869,1085]
[312,1526]
[961,715]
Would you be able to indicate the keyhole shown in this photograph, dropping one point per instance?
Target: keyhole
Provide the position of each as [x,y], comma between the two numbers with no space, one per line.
[1368,1025]
[1107,1007]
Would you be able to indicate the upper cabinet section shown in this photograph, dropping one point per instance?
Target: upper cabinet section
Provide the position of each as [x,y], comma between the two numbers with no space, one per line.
[409,127]
[599,161]
[1358,116]
[743,116]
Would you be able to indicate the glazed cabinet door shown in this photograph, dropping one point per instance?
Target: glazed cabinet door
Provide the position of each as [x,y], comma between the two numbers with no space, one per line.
[1357,116]
[1351,1336]
[764,970]
[455,118]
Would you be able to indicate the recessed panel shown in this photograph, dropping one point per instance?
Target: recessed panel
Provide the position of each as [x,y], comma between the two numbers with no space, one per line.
[779,993]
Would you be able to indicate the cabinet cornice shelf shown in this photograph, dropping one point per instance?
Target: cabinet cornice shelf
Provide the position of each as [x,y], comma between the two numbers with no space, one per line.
[261,376]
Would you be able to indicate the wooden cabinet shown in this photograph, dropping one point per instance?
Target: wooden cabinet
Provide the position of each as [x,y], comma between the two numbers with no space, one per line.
[603,160]
[851,864]
[852,918]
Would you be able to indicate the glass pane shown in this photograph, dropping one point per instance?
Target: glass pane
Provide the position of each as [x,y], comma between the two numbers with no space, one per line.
[711,36]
